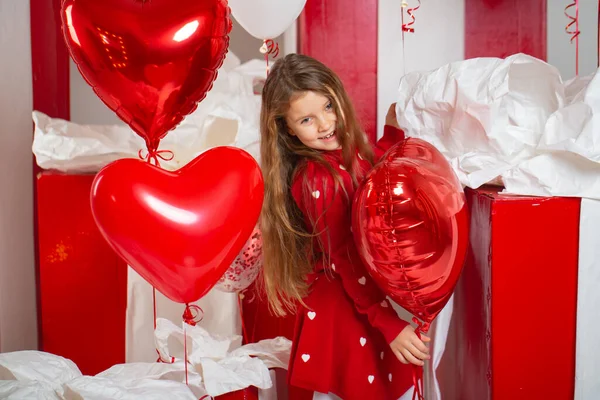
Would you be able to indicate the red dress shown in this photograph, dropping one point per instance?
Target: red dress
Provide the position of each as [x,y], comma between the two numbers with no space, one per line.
[341,342]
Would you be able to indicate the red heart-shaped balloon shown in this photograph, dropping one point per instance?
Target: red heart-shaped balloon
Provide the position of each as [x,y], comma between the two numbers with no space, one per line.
[410,223]
[179,230]
[151,62]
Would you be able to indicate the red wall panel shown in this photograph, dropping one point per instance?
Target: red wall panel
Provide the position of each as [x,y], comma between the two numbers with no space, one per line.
[50,83]
[343,35]
[500,28]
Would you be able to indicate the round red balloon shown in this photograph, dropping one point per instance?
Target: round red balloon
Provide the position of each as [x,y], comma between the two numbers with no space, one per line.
[179,230]
[151,62]
[410,223]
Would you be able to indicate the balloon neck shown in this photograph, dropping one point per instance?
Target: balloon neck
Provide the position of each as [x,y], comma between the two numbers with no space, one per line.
[153,156]
[422,327]
[192,314]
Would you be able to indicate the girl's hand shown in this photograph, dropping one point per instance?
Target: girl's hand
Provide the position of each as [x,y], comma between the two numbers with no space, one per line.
[390,118]
[409,348]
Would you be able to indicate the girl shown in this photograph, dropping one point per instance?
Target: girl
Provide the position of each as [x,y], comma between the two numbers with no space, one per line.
[348,340]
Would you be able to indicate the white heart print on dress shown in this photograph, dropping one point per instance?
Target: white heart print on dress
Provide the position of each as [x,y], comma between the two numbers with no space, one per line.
[311,315]
[371,378]
[305,357]
[363,341]
[316,194]
[362,281]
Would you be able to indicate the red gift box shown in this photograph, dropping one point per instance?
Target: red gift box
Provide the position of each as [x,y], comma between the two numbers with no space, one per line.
[512,334]
[82,282]
[250,393]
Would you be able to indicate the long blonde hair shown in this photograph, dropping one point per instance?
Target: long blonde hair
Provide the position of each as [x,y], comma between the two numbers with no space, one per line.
[287,245]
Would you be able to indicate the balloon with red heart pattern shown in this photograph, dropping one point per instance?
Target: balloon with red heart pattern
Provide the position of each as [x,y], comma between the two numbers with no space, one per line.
[179,230]
[246,266]
[410,223]
[150,62]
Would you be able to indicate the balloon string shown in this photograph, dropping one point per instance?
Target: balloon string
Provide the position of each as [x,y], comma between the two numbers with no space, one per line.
[245,337]
[153,156]
[269,48]
[572,29]
[191,316]
[417,371]
[154,304]
[403,51]
[185,355]
[407,26]
[159,359]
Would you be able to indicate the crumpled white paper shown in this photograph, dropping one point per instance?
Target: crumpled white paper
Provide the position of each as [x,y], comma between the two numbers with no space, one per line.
[224,364]
[26,375]
[486,115]
[216,365]
[567,160]
[510,121]
[228,116]
[221,316]
[98,388]
[34,375]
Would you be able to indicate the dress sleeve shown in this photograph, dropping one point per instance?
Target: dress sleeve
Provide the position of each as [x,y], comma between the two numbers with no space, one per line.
[391,136]
[328,212]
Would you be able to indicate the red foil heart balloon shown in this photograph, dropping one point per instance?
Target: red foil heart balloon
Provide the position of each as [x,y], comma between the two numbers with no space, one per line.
[151,62]
[179,230]
[410,223]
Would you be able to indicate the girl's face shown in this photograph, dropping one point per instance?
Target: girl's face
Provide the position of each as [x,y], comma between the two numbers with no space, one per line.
[312,120]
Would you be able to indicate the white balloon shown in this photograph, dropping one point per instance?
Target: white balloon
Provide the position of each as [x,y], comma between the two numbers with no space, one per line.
[266,19]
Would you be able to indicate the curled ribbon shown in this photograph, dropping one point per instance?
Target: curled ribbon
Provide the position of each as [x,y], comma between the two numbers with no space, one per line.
[408,27]
[572,29]
[192,314]
[417,373]
[153,156]
[269,48]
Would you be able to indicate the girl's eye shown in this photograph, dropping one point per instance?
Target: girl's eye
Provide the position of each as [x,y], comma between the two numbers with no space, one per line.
[328,107]
[305,120]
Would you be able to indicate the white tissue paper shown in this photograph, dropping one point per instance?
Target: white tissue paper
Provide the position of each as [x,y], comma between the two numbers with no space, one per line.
[97,388]
[223,363]
[510,121]
[221,316]
[486,115]
[567,161]
[216,365]
[26,375]
[34,375]
[27,390]
[228,116]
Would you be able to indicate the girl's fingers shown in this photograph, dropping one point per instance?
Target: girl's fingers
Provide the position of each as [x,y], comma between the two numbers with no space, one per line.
[418,353]
[400,357]
[419,345]
[412,359]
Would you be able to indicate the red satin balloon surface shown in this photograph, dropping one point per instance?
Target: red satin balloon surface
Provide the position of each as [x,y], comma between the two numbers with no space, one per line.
[151,62]
[410,223]
[179,230]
